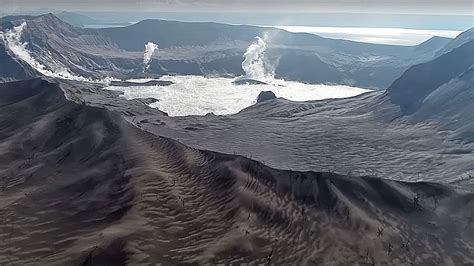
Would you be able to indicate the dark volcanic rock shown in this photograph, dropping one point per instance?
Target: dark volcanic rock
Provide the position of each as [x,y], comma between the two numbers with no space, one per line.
[148,83]
[248,82]
[265,96]
[149,100]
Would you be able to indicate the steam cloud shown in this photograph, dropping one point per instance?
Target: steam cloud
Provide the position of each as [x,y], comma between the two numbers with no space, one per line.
[150,48]
[12,40]
[254,64]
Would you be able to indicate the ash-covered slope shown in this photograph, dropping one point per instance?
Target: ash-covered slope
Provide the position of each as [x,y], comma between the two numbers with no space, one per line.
[80,185]
[52,41]
[410,90]
[441,91]
[452,105]
[212,48]
[343,136]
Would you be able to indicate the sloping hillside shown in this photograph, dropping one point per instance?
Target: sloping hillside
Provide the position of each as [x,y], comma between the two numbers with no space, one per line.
[80,185]
[410,90]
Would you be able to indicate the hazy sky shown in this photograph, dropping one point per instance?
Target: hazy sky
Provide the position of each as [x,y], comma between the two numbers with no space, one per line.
[453,7]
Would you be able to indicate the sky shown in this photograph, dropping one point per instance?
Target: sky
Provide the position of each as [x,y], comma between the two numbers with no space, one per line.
[438,7]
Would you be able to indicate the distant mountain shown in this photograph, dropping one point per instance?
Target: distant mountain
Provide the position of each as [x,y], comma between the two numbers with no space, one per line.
[175,33]
[74,19]
[212,48]
[433,44]
[77,20]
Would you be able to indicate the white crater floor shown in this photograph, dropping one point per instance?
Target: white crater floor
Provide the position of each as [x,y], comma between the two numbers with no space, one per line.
[199,95]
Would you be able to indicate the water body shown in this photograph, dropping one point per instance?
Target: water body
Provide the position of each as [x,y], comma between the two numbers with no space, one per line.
[198,95]
[395,36]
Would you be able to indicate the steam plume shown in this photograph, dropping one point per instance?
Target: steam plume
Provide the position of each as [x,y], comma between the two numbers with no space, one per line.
[12,40]
[254,64]
[149,50]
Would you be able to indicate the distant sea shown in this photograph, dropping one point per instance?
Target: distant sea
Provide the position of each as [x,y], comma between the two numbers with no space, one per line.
[396,36]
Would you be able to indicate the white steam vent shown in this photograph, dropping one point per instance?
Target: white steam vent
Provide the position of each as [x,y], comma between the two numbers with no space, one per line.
[254,64]
[12,39]
[150,49]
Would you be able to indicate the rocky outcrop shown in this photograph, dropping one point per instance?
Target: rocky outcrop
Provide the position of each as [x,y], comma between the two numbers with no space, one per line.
[265,96]
[246,81]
